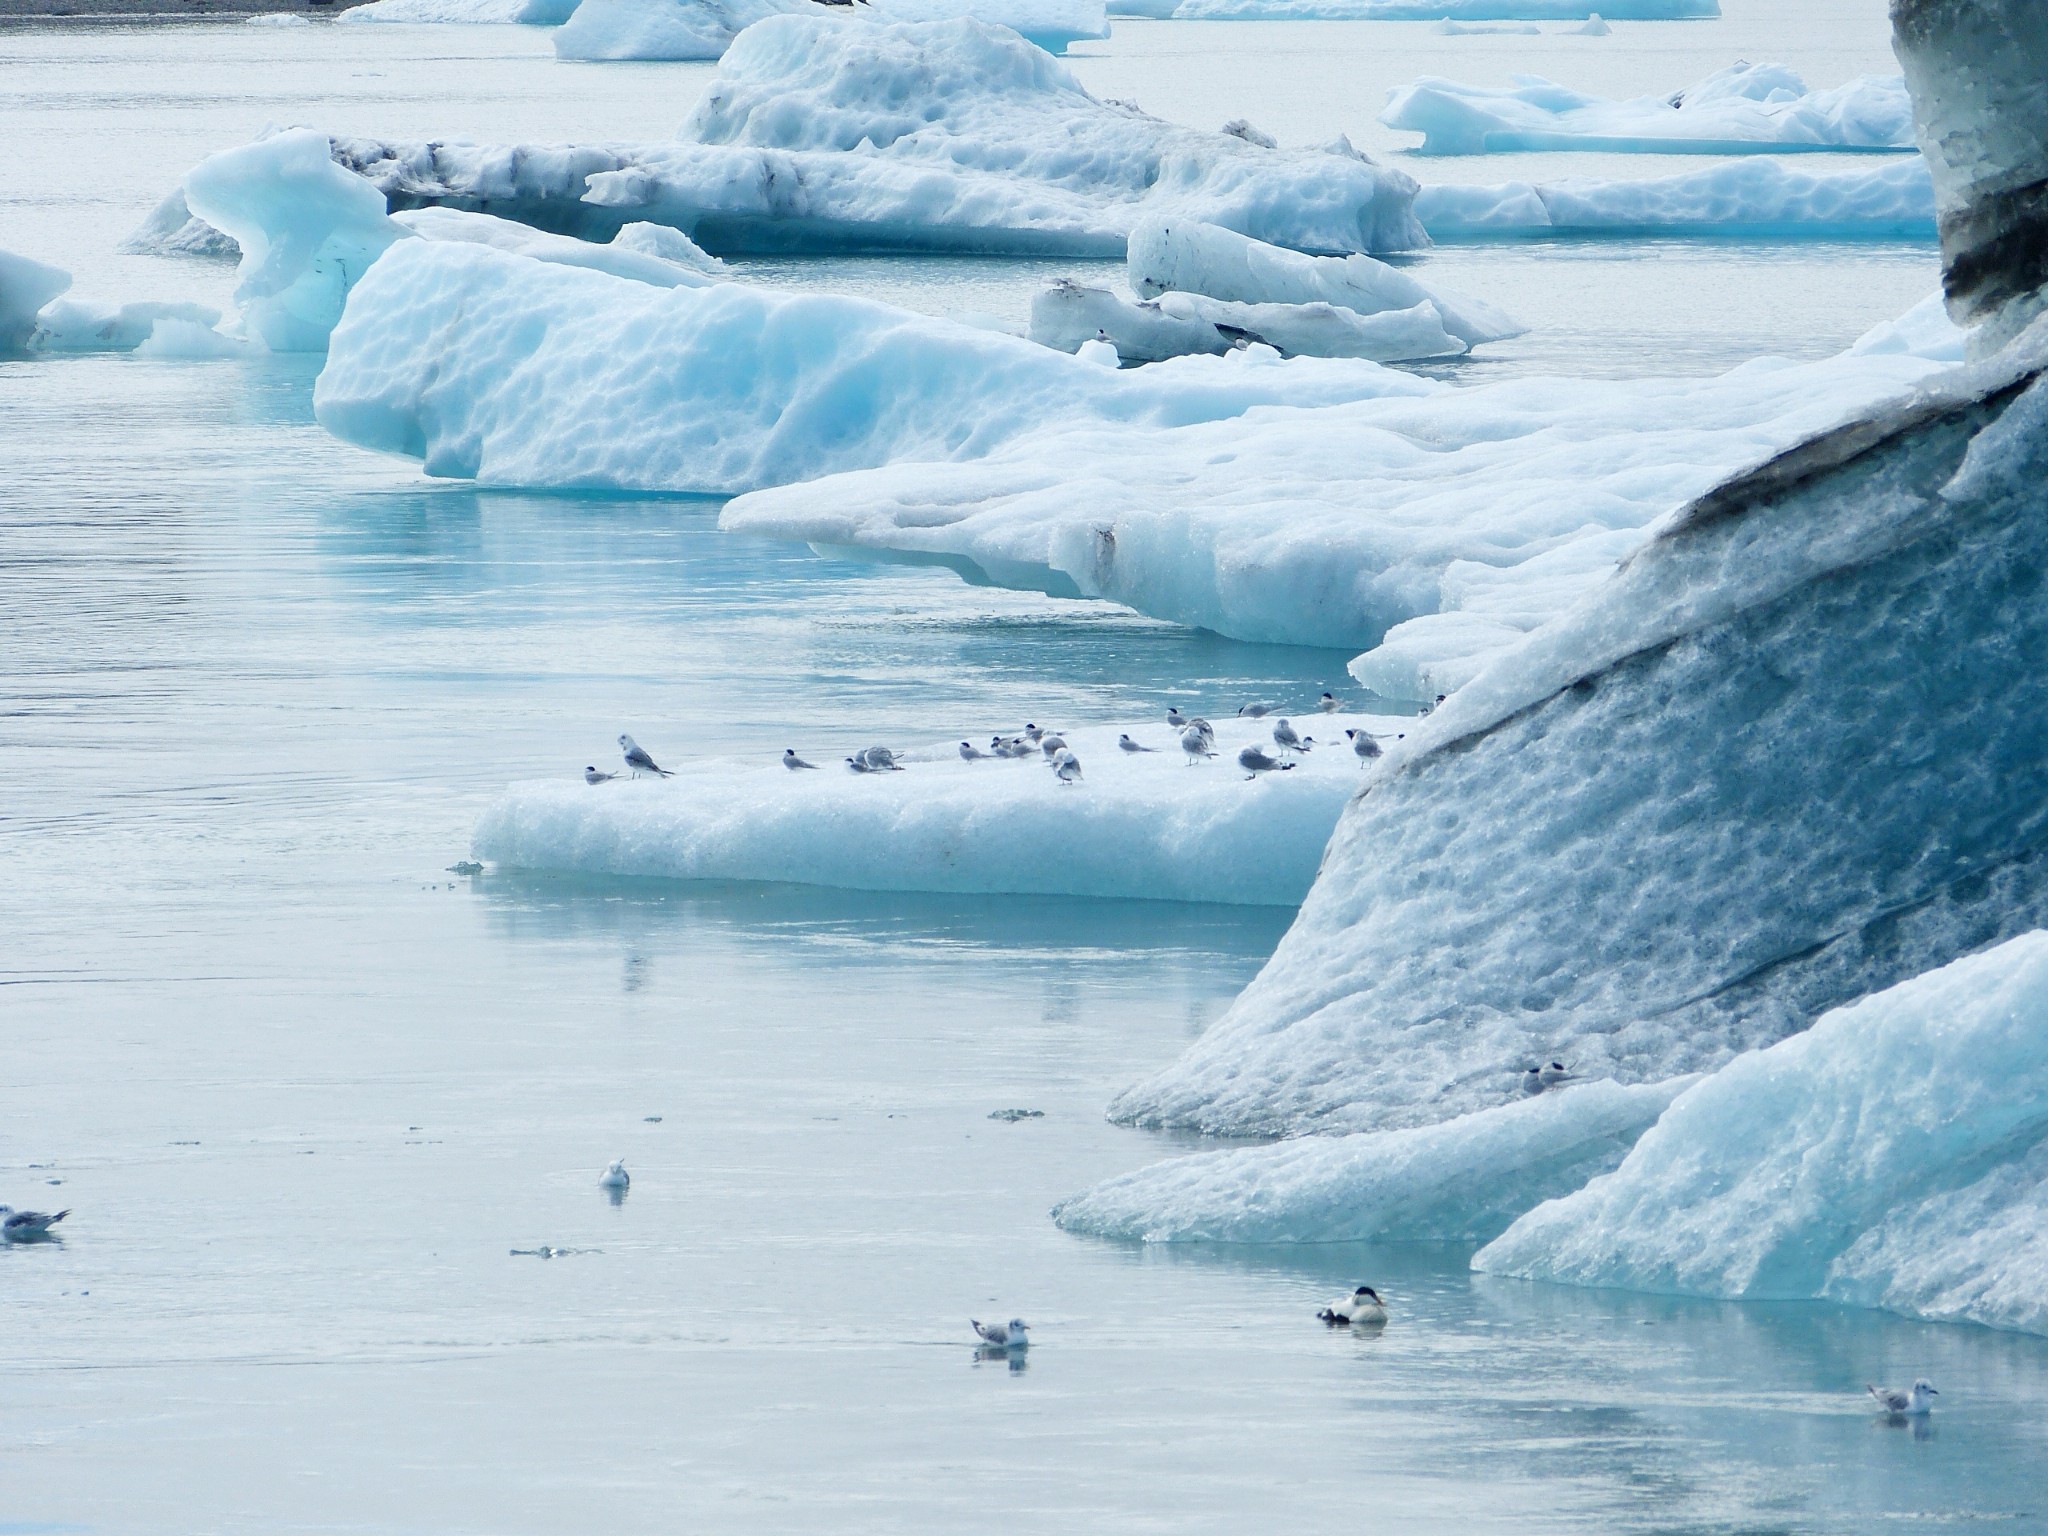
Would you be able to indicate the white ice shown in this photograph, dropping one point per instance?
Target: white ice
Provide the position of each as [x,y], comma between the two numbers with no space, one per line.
[1051,24]
[1147,825]
[1742,109]
[540,13]
[1465,1178]
[73,325]
[1418,10]
[1069,316]
[1895,1155]
[1754,197]
[662,29]
[26,286]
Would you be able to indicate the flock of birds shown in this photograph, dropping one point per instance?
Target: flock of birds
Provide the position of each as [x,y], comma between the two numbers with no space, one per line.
[1197,739]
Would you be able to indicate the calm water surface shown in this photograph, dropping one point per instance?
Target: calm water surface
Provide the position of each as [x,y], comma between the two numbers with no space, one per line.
[306,1089]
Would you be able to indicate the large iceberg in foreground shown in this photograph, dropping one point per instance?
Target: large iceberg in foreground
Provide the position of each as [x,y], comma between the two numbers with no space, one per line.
[1788,755]
[1148,825]
[1894,1155]
[1741,109]
[956,135]
[662,29]
[1462,1179]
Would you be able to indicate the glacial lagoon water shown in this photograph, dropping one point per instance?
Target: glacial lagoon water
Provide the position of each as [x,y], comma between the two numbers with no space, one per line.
[307,1090]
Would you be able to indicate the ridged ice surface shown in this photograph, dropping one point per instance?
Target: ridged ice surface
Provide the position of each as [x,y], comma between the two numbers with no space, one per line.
[662,29]
[1462,1179]
[1790,755]
[1742,109]
[1896,1155]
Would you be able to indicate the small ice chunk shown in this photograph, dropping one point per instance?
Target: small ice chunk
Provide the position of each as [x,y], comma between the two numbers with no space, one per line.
[189,341]
[73,325]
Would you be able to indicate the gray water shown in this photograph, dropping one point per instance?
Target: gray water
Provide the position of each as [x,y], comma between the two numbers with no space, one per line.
[306,1089]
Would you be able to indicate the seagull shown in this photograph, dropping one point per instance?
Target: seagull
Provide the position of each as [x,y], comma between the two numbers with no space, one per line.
[792,761]
[1067,766]
[1052,745]
[1285,735]
[1900,1404]
[859,763]
[1255,711]
[881,760]
[1361,1309]
[1195,744]
[1532,1080]
[1328,704]
[1032,733]
[1199,724]
[1363,744]
[27,1226]
[970,753]
[1015,1334]
[1131,746]
[1553,1074]
[616,1177]
[638,760]
[1176,719]
[1254,762]
[592,776]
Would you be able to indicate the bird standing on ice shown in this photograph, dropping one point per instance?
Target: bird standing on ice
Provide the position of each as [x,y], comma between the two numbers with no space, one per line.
[1905,1404]
[791,761]
[1255,762]
[1255,711]
[1067,766]
[592,776]
[1195,744]
[1129,745]
[637,759]
[1363,744]
[1288,738]
[1010,1335]
[1361,1309]
[27,1226]
[969,752]
[616,1177]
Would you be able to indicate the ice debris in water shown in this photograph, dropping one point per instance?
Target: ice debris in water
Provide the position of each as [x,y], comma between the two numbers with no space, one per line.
[1439,525]
[1894,1155]
[25,287]
[1012,1116]
[1145,825]
[72,325]
[1068,316]
[662,29]
[1564,859]
[952,135]
[1462,1179]
[1743,108]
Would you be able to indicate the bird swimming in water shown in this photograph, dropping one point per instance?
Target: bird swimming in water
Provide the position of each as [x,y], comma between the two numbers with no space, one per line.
[1015,1334]
[592,776]
[1361,1309]
[970,753]
[1328,704]
[1067,766]
[637,759]
[27,1226]
[1254,711]
[792,761]
[1286,737]
[1900,1404]
[616,1177]
[1255,762]
[1129,745]
[1195,744]
[1363,744]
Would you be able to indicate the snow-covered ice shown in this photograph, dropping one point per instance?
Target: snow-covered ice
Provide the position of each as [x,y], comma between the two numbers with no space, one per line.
[1462,1179]
[76,325]
[1894,1155]
[1418,10]
[1742,109]
[1148,825]
[823,134]
[538,13]
[662,29]
[1752,197]
[1818,681]
[1051,24]
[1070,315]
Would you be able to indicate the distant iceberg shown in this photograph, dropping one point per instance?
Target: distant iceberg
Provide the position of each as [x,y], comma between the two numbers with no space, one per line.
[662,29]
[26,286]
[1418,10]
[1744,109]
[1753,198]
[1143,825]
[1051,24]
[537,13]
[1894,1155]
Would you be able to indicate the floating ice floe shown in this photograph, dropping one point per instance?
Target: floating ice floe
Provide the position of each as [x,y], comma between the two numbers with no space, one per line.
[1449,28]
[1417,10]
[537,13]
[1786,756]
[1070,316]
[25,287]
[71,325]
[662,29]
[513,372]
[1461,1179]
[956,135]
[277,19]
[1051,24]
[1752,198]
[1150,825]
[1440,524]
[1894,1155]
[1746,108]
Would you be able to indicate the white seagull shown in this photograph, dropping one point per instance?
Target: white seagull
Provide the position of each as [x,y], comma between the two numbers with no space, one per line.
[592,776]
[1285,735]
[1255,762]
[1915,1402]
[1554,1073]
[791,761]
[1532,1080]
[1011,1335]
[1176,719]
[1195,744]
[1255,711]
[615,1177]
[881,760]
[27,1226]
[1067,766]
[970,753]
[1361,1309]
[1052,745]
[1363,744]
[1129,745]
[1328,704]
[1032,733]
[638,760]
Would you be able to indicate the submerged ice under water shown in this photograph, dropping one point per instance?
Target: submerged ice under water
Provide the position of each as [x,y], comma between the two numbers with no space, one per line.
[306,1089]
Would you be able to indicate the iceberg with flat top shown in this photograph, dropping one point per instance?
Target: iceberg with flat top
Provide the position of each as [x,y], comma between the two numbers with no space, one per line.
[662,29]
[1146,825]
[1418,10]
[1743,109]
[824,134]
[1894,1155]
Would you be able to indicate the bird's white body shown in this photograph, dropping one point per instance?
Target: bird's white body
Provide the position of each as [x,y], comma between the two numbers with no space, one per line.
[637,760]
[1052,745]
[1131,746]
[1067,766]
[1011,1335]
[1361,1309]
[1286,736]
[616,1177]
[591,775]
[1363,744]
[970,753]
[1255,762]
[27,1226]
[1911,1403]
[1195,744]
[791,761]
[1034,733]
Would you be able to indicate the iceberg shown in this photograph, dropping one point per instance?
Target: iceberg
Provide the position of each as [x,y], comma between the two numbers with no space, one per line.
[25,287]
[1147,825]
[1743,109]
[662,29]
[1487,509]
[1750,198]
[1186,256]
[955,135]
[1069,315]
[173,230]
[172,339]
[495,367]
[1460,1180]
[1417,10]
[538,13]
[1051,24]
[72,325]
[1893,1155]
